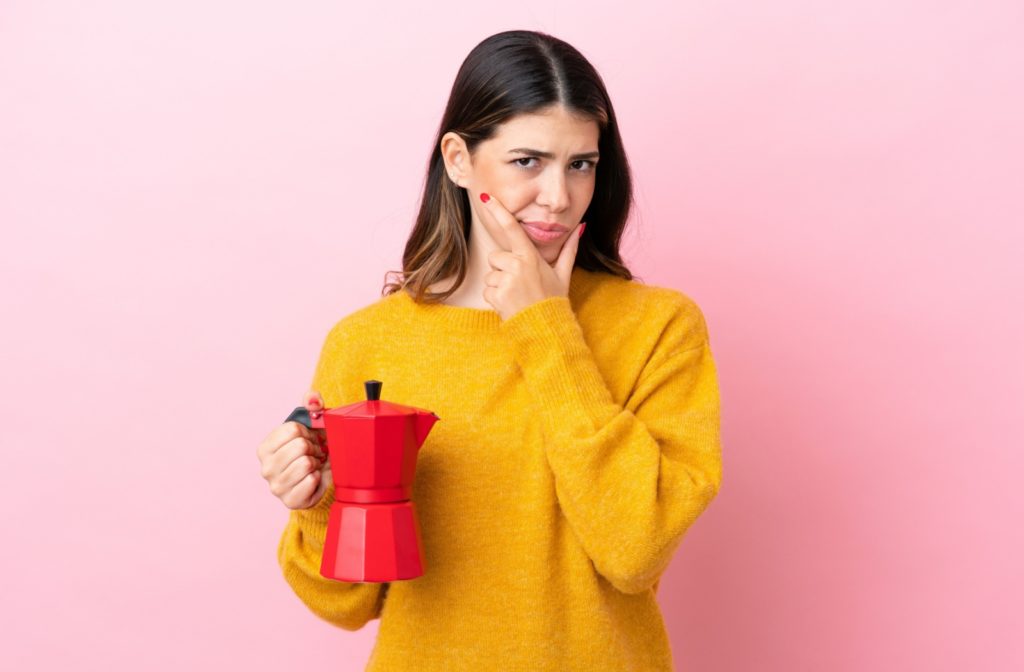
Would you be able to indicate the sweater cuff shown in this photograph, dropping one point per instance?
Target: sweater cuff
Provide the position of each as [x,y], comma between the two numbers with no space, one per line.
[313,521]
[559,368]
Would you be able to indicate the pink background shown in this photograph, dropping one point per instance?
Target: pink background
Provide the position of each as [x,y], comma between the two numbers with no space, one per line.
[194,192]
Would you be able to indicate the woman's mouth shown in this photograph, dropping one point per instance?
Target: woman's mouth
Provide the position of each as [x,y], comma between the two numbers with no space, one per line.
[540,235]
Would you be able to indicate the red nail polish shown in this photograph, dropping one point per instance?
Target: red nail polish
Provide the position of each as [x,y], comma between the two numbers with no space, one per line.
[485,197]
[582,226]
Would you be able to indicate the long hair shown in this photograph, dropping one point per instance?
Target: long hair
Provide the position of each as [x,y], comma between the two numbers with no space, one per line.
[511,73]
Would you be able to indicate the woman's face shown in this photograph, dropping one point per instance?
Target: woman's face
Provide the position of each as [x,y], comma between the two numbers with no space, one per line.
[540,166]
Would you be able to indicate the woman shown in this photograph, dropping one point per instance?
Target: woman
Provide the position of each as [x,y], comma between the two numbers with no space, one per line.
[579,432]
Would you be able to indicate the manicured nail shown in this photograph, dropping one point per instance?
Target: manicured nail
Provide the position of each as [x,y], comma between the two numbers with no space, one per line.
[484,196]
[582,226]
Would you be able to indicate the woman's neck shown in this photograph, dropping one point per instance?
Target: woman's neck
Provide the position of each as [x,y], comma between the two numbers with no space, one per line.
[470,294]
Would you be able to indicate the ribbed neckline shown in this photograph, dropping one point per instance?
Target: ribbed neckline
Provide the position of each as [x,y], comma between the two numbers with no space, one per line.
[464,318]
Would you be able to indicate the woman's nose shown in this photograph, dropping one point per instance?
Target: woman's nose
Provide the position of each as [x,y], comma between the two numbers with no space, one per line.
[553,192]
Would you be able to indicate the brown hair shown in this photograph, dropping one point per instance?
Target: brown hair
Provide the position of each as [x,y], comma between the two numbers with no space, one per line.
[511,73]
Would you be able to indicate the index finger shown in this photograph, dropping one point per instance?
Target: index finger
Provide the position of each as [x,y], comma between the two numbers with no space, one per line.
[514,239]
[283,434]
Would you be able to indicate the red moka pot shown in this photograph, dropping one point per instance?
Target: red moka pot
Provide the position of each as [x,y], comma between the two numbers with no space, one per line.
[373,534]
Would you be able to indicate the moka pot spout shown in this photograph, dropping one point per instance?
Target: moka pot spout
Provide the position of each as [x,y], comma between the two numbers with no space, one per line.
[424,422]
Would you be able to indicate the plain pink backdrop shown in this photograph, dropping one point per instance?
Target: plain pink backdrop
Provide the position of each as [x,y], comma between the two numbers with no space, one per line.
[193,193]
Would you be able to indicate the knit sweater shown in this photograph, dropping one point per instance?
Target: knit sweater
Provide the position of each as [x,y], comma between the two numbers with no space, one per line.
[578,440]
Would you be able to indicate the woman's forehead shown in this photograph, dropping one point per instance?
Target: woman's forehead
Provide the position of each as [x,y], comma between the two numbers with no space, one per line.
[551,131]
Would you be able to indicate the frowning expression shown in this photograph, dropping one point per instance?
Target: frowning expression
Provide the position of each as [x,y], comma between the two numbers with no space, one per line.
[542,168]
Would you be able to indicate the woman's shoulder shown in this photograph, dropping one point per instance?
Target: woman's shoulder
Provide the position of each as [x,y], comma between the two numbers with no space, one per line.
[605,294]
[370,319]
[610,299]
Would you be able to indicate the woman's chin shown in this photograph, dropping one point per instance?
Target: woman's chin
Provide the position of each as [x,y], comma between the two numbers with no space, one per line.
[548,253]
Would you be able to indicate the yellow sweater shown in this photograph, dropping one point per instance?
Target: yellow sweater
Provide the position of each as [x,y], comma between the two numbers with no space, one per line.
[578,441]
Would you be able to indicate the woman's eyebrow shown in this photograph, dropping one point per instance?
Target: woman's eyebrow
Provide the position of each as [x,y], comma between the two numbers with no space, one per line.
[549,155]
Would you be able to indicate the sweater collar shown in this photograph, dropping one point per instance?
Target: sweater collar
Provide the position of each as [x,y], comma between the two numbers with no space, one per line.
[463,318]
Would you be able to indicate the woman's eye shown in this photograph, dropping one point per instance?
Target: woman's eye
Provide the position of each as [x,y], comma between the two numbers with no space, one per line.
[587,169]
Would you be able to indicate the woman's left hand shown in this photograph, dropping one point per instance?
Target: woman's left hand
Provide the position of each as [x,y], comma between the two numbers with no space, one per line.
[519,276]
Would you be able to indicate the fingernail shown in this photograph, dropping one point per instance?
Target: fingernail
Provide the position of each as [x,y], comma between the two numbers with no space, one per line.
[484,196]
[583,225]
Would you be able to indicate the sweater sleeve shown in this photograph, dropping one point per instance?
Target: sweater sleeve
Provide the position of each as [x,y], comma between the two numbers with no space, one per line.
[346,605]
[630,479]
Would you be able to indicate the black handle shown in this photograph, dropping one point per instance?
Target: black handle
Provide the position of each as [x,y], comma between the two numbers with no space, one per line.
[301,416]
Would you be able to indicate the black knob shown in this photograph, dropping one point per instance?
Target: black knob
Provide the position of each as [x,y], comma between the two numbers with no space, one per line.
[372,389]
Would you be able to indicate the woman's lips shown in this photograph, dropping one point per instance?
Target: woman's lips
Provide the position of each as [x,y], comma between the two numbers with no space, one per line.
[540,235]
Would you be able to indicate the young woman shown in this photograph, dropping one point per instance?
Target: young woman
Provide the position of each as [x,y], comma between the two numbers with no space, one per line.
[579,434]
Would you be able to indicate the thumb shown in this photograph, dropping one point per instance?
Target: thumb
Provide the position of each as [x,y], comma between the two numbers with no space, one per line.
[313,401]
[567,256]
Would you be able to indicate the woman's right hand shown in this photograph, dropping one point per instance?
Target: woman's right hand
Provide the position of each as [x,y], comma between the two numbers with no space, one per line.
[293,460]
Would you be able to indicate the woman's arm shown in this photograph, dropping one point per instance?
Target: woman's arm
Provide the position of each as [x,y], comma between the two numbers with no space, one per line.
[347,605]
[630,479]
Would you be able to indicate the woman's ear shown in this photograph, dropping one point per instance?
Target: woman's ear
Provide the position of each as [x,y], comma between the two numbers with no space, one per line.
[456,158]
